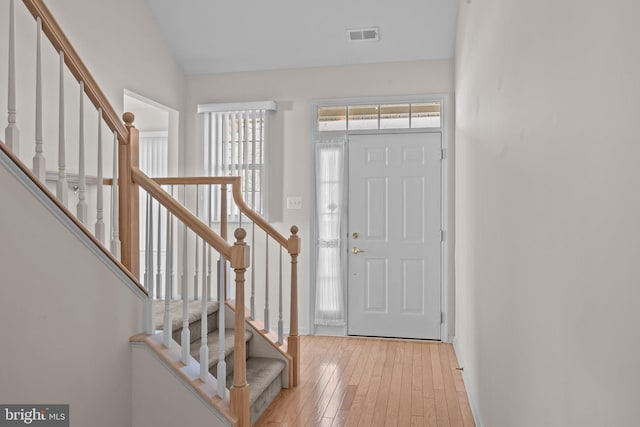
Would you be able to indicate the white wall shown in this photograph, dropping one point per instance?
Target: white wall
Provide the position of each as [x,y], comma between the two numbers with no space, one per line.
[547,211]
[161,399]
[122,47]
[290,155]
[66,317]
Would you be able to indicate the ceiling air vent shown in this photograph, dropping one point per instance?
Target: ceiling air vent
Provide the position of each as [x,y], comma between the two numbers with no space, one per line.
[363,34]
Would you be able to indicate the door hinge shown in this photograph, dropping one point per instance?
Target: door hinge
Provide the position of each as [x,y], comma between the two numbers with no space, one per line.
[441,317]
[443,153]
[443,235]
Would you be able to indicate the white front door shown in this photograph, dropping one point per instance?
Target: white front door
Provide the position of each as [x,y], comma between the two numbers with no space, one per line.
[395,235]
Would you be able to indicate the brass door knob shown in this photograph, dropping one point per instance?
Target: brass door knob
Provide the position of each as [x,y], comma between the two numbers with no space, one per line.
[355,250]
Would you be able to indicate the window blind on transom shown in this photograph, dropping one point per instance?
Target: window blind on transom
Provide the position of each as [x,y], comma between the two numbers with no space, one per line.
[235,137]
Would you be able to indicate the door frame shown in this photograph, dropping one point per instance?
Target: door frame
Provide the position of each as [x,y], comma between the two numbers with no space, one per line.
[445,287]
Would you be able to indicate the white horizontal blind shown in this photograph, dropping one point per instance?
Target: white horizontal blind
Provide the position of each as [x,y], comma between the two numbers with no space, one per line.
[235,145]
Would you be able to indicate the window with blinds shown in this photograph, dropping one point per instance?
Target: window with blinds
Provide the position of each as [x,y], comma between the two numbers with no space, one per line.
[235,144]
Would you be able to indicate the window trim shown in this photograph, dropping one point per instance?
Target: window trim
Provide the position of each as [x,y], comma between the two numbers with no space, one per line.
[380,101]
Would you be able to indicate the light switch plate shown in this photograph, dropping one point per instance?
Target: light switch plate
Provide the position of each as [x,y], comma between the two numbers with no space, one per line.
[294,202]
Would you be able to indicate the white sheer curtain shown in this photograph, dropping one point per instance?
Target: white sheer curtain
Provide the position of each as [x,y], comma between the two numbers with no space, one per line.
[329,181]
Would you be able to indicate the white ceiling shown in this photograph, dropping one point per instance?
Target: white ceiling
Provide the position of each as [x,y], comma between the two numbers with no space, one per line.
[213,36]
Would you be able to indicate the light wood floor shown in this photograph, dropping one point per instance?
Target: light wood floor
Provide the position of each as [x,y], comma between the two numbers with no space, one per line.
[373,382]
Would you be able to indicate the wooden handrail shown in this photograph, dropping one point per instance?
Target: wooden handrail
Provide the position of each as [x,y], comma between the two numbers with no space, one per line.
[236,191]
[68,213]
[60,42]
[182,213]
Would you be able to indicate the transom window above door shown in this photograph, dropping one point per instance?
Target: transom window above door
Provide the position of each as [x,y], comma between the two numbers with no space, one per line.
[378,116]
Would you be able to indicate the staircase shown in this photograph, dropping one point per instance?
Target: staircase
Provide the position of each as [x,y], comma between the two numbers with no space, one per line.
[264,374]
[193,307]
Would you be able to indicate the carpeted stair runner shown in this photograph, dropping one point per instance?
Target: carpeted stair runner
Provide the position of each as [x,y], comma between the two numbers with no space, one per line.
[264,375]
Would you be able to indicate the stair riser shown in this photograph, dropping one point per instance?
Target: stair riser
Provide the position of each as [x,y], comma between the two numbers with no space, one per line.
[194,328]
[229,364]
[265,399]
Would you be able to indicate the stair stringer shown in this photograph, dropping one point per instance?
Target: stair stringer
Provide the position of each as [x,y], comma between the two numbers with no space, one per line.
[263,344]
[163,389]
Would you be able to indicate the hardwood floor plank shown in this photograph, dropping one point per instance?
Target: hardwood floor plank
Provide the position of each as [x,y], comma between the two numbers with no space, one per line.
[311,394]
[380,409]
[406,390]
[465,409]
[366,416]
[436,367]
[427,372]
[325,422]
[442,412]
[313,409]
[340,420]
[334,403]
[455,416]
[453,363]
[395,388]
[371,382]
[349,395]
[430,413]
[363,378]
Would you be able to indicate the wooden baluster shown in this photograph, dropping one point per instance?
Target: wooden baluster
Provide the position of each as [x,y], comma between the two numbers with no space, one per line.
[223,233]
[115,237]
[82,181]
[129,198]
[168,286]
[209,256]
[280,324]
[239,397]
[222,365]
[62,192]
[266,284]
[39,168]
[149,314]
[204,268]
[185,341]
[252,298]
[159,254]
[11,133]
[100,185]
[223,211]
[195,271]
[204,347]
[293,341]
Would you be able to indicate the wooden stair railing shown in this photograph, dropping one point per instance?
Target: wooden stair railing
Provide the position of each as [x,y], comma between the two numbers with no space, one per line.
[238,254]
[291,245]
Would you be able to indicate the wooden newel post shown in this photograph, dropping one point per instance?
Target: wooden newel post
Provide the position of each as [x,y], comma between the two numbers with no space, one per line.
[129,198]
[240,256]
[293,341]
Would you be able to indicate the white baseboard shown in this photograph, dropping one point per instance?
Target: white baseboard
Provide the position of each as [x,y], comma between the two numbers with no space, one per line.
[472,401]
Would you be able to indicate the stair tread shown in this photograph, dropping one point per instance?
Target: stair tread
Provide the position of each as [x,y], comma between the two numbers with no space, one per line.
[195,310]
[261,371]
[212,344]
